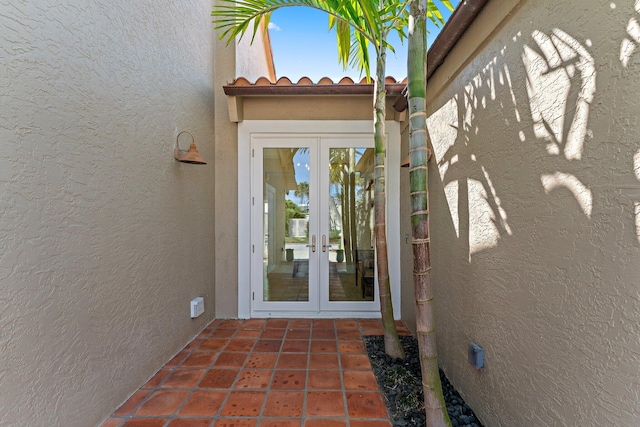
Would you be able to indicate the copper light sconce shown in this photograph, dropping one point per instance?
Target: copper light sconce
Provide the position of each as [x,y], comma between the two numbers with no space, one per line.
[189,156]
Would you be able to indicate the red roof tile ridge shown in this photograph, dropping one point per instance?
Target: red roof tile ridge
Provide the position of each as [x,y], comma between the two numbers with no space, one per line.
[283,81]
[262,81]
[325,81]
[305,81]
[346,81]
[241,81]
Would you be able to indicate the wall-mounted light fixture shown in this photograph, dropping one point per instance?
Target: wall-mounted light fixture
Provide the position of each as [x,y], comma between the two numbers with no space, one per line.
[190,156]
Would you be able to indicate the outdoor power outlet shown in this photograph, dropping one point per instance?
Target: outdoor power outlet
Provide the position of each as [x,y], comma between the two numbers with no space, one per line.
[197,307]
[476,355]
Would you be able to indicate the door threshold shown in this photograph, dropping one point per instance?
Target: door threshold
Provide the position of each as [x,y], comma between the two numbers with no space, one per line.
[316,315]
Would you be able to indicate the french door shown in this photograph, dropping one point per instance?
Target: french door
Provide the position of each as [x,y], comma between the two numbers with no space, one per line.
[312,224]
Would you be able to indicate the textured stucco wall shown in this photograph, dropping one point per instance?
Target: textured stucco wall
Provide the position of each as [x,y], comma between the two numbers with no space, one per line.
[241,59]
[226,188]
[104,236]
[535,212]
[252,61]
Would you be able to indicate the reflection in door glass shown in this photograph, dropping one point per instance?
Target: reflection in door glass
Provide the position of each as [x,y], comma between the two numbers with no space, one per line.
[351,221]
[285,224]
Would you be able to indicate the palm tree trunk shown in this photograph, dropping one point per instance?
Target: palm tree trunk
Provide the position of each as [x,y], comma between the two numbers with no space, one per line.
[435,407]
[392,345]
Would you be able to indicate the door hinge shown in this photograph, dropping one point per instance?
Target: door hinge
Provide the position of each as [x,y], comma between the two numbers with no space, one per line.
[253,248]
[253,201]
[253,152]
[253,296]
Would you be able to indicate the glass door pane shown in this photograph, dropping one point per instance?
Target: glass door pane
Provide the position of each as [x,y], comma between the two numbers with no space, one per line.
[286,224]
[351,222]
[312,226]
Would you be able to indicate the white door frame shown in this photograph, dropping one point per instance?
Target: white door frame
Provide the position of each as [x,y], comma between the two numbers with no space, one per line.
[314,128]
[281,140]
[326,143]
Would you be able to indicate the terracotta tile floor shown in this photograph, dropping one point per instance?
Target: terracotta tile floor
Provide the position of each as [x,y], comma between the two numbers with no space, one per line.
[265,373]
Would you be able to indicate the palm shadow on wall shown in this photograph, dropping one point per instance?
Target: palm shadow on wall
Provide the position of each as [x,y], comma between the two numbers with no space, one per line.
[543,148]
[532,198]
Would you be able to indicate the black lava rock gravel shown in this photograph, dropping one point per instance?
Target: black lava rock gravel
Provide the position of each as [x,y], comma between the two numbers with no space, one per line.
[401,382]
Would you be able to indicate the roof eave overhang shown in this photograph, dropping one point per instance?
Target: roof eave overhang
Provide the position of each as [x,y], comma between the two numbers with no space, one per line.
[237,93]
[307,90]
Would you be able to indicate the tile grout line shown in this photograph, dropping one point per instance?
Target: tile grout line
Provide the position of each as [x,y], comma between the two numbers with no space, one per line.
[305,391]
[153,390]
[207,369]
[260,415]
[157,388]
[341,372]
[218,414]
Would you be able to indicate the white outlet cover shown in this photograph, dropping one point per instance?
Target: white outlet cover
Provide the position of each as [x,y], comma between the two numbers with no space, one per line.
[197,307]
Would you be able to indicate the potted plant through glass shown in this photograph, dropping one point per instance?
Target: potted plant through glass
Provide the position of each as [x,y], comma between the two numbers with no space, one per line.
[289,254]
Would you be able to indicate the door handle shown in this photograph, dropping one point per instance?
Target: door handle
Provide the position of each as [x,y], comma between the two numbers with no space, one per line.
[324,243]
[313,243]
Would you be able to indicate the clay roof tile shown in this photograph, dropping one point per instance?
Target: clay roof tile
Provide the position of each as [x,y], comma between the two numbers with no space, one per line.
[346,81]
[283,81]
[262,81]
[241,81]
[325,81]
[305,86]
[305,81]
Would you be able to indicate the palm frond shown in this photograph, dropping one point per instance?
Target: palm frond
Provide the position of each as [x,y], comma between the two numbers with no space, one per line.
[359,55]
[343,33]
[433,11]
[233,18]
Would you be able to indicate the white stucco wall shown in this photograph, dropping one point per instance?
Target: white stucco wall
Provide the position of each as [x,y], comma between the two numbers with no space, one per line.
[534,202]
[104,236]
[252,61]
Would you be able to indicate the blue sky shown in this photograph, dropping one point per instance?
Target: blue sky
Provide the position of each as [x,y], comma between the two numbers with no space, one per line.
[303,46]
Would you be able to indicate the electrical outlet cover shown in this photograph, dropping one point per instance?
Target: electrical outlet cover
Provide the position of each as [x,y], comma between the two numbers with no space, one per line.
[476,355]
[197,307]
